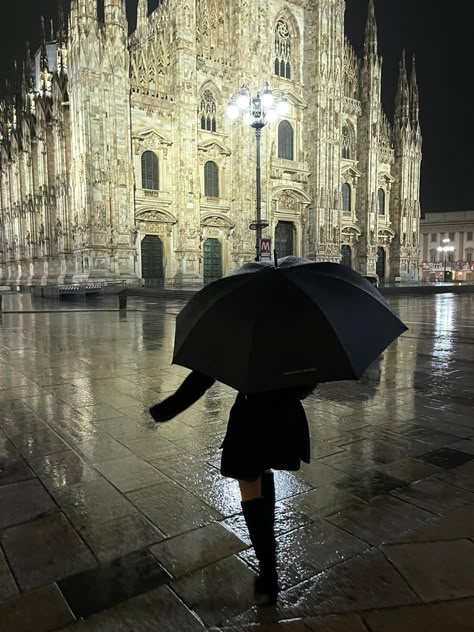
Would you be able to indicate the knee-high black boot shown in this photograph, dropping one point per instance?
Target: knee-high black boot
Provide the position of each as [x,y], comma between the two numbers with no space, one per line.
[258,514]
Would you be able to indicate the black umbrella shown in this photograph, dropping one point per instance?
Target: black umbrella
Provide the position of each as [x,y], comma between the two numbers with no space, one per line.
[286,326]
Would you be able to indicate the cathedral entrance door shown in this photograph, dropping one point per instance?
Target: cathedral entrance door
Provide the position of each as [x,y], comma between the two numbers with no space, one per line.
[152,261]
[381,260]
[212,260]
[285,239]
[346,256]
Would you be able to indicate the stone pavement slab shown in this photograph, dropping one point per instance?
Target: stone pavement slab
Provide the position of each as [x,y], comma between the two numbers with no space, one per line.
[130,473]
[173,509]
[304,552]
[157,611]
[45,550]
[117,538]
[111,583]
[8,587]
[434,495]
[440,617]
[24,501]
[191,551]
[385,519]
[457,524]
[366,582]
[41,610]
[436,570]
[219,591]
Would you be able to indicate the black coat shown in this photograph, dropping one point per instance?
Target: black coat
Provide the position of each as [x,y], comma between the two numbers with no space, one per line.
[265,430]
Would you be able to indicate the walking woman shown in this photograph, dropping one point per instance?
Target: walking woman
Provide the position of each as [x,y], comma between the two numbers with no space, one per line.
[266,431]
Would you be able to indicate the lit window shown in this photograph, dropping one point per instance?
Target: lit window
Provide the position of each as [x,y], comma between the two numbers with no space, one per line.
[285,141]
[282,50]
[381,198]
[150,171]
[211,179]
[208,112]
[346,198]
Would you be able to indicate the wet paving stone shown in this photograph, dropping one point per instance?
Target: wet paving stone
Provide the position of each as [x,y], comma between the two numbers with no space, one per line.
[462,476]
[103,448]
[194,550]
[159,610]
[322,502]
[436,570]
[349,463]
[172,509]
[13,470]
[440,617]
[366,582]
[45,550]
[306,552]
[316,474]
[383,520]
[109,584]
[446,458]
[466,446]
[24,501]
[62,470]
[8,587]
[217,592]
[336,623]
[434,495]
[457,524]
[93,503]
[370,485]
[130,473]
[120,536]
[41,610]
[409,470]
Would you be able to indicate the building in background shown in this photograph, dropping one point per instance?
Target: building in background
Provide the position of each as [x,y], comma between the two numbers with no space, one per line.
[458,227]
[117,161]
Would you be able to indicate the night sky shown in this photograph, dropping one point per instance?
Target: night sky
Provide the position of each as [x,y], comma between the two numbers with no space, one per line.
[437,32]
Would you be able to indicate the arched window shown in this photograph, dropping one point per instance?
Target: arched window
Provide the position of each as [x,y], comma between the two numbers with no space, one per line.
[346,198]
[211,179]
[381,202]
[282,50]
[150,172]
[285,141]
[348,141]
[208,112]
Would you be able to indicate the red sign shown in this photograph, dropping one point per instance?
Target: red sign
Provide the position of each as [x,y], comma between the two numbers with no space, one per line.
[266,248]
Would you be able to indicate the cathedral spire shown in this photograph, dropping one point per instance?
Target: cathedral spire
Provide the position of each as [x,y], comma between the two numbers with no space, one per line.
[27,79]
[115,14]
[371,43]
[142,16]
[414,97]
[402,107]
[44,62]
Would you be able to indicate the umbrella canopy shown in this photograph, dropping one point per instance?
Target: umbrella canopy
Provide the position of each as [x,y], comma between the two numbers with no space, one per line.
[284,327]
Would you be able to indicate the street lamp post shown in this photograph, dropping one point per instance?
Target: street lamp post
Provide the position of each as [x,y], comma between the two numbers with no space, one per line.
[257,111]
[446,248]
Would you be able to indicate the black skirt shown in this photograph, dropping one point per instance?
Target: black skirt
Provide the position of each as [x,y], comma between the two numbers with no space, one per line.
[265,431]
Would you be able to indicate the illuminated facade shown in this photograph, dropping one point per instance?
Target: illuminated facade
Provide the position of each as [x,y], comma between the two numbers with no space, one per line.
[117,161]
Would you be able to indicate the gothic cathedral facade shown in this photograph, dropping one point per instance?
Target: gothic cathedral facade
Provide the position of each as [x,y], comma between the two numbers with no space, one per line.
[117,160]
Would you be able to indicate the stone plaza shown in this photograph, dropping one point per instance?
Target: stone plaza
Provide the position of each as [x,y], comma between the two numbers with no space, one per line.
[109,523]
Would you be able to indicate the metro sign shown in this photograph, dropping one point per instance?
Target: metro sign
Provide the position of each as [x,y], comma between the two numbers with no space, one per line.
[266,248]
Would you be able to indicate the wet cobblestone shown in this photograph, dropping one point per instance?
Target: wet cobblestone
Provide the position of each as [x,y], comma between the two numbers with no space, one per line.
[376,533]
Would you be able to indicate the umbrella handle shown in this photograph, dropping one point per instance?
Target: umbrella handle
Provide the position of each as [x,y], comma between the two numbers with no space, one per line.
[275,258]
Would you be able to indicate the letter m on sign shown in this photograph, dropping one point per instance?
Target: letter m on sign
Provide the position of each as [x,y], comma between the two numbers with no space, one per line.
[266,247]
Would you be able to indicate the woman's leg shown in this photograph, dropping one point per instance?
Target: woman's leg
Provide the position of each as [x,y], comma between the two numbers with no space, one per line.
[250,489]
[258,512]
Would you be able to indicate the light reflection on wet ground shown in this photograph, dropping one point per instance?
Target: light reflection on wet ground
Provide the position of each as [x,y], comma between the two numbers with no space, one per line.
[82,464]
